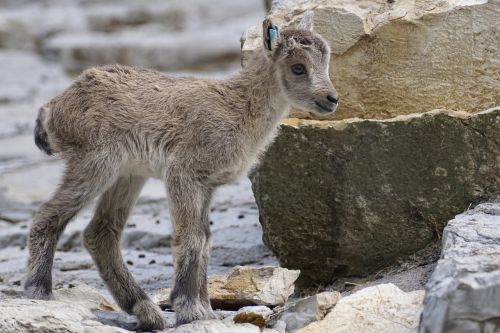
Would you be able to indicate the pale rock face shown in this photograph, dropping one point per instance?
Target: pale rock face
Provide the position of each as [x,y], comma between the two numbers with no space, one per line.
[404,57]
[30,316]
[382,308]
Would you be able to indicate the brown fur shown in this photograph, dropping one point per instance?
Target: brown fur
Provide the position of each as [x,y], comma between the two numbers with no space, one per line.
[115,126]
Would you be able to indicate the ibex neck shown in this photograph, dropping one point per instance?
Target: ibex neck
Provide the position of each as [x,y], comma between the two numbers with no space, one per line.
[265,104]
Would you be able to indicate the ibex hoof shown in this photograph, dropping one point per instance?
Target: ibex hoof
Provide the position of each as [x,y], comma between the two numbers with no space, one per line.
[149,316]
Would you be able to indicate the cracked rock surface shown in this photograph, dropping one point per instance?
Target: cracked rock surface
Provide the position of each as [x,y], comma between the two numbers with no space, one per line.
[462,292]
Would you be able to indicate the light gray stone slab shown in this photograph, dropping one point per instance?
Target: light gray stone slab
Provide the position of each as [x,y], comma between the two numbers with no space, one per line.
[463,292]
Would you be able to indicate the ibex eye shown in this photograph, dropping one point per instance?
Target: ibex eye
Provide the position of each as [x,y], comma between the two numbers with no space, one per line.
[298,69]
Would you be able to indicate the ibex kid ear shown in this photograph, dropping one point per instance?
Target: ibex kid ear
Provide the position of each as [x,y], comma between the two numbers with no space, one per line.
[306,23]
[271,35]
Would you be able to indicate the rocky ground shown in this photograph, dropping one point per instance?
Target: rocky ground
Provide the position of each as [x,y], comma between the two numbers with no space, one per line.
[42,46]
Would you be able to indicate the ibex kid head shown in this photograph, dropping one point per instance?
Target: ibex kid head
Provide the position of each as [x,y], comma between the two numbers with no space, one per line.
[301,59]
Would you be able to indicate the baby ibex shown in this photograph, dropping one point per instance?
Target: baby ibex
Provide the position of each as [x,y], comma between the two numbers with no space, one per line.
[115,126]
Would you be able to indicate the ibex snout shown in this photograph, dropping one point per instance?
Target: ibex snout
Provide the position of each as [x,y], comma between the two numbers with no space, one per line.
[327,102]
[333,98]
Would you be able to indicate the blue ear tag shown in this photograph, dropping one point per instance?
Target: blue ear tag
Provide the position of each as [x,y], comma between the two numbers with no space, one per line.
[272,33]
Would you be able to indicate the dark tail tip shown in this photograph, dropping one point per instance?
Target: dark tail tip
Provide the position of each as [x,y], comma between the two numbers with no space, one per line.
[41,138]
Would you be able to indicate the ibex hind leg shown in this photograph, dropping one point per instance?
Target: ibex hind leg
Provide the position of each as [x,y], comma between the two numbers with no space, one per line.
[102,239]
[205,257]
[83,181]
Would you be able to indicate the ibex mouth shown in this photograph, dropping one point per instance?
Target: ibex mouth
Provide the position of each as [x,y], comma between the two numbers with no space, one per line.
[324,107]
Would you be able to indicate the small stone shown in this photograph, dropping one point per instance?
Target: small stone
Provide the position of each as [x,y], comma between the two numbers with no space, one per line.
[256,315]
[243,286]
[308,310]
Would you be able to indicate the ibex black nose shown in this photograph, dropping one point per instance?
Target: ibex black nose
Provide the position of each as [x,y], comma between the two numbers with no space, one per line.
[332,99]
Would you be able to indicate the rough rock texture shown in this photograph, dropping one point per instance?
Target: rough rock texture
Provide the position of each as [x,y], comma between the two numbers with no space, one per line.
[401,57]
[463,291]
[308,310]
[382,308]
[26,316]
[340,198]
[243,286]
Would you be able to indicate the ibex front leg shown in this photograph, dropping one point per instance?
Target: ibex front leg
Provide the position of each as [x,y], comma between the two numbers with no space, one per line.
[189,203]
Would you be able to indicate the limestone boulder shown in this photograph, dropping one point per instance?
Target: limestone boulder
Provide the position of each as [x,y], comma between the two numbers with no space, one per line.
[382,308]
[401,57]
[347,198]
[462,292]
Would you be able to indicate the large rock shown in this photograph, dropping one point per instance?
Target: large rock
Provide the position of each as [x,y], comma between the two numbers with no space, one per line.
[383,308]
[401,57]
[462,293]
[341,198]
[244,286]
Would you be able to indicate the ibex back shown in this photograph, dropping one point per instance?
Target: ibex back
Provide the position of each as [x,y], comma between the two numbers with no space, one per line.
[115,126]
